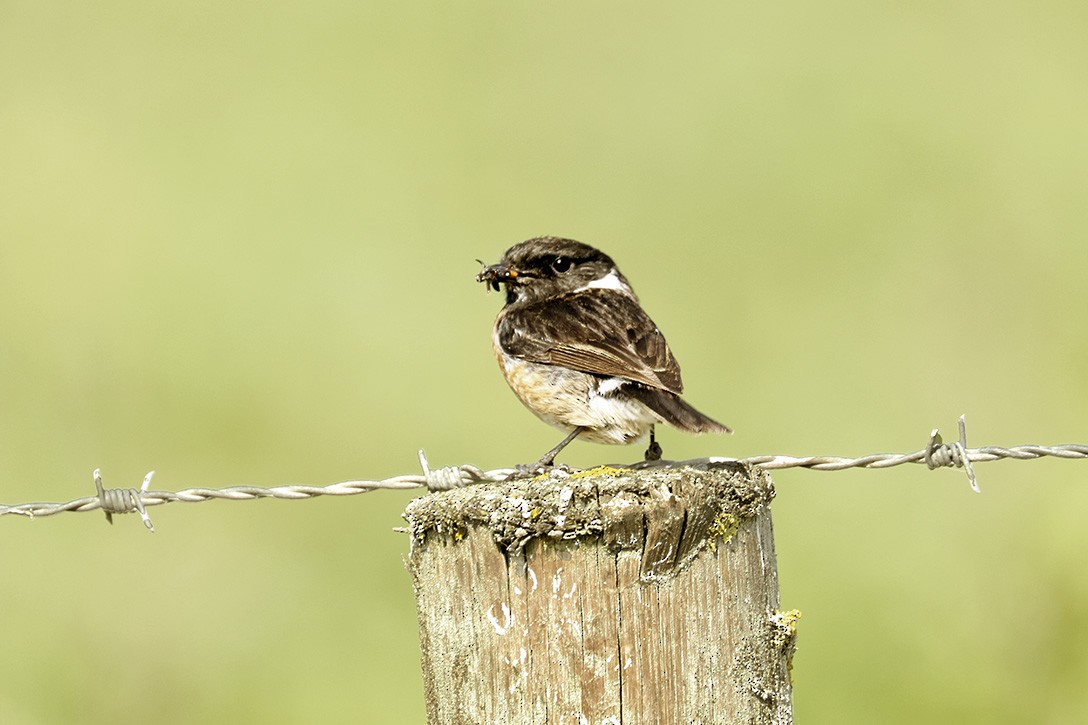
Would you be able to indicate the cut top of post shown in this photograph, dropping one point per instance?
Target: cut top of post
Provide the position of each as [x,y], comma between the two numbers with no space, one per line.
[670,514]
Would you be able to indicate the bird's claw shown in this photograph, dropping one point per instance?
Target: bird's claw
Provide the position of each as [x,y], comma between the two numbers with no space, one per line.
[529,470]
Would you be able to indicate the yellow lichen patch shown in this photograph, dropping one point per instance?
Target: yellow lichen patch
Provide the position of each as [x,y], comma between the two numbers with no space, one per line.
[785,626]
[722,527]
[600,471]
[784,635]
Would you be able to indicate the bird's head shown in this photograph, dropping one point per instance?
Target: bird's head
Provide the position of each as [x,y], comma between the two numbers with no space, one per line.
[546,267]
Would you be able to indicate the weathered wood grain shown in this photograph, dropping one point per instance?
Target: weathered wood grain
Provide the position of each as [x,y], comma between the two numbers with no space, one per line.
[613,596]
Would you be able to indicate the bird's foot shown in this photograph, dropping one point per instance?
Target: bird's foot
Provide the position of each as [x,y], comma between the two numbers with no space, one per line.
[540,468]
[546,463]
[653,452]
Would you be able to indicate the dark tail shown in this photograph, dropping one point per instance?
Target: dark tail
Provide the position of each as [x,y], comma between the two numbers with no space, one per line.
[675,411]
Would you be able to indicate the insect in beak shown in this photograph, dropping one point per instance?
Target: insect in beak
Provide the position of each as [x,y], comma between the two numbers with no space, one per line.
[494,275]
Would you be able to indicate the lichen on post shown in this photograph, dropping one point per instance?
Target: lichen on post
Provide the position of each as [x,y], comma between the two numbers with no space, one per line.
[611,595]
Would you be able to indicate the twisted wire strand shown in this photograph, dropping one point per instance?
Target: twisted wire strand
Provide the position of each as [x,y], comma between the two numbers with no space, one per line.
[887,460]
[128,500]
[936,454]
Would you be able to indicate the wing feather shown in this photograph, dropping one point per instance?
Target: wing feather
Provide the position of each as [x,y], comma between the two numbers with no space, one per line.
[595,331]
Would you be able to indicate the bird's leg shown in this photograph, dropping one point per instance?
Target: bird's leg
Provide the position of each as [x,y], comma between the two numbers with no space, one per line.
[653,452]
[546,460]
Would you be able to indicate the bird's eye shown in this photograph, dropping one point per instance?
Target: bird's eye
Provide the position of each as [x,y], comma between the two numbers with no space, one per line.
[560,264]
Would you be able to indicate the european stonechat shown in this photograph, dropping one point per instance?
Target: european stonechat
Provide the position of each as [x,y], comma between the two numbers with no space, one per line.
[579,351]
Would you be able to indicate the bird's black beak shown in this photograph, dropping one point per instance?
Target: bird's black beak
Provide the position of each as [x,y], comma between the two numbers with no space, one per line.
[496,274]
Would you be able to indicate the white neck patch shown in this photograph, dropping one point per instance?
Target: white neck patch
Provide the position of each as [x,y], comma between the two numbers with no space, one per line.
[610,281]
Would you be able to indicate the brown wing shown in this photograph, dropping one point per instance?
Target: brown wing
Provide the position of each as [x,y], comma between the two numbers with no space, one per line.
[596,331]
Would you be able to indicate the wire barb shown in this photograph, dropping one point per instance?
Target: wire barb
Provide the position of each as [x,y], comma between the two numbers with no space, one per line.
[939,453]
[123,500]
[443,479]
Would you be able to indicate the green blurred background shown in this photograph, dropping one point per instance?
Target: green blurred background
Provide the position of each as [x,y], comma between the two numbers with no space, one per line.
[237,246]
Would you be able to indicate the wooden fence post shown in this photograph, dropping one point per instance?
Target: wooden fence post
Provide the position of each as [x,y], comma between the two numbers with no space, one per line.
[609,596]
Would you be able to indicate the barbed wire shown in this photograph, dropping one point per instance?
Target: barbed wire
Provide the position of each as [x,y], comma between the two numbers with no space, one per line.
[936,454]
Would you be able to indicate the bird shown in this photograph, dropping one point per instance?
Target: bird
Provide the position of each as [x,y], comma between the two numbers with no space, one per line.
[578,350]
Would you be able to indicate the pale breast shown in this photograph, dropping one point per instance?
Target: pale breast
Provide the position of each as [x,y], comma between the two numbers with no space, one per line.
[566,398]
